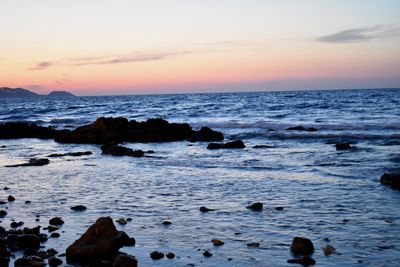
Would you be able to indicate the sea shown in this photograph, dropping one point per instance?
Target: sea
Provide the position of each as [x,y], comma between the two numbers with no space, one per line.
[329,196]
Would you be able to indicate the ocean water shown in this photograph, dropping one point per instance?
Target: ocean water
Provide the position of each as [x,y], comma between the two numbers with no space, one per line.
[325,193]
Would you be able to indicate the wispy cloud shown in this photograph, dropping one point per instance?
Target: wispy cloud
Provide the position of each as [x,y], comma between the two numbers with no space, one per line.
[42,65]
[357,35]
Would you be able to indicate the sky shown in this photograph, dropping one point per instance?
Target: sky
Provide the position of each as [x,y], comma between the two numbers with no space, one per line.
[108,47]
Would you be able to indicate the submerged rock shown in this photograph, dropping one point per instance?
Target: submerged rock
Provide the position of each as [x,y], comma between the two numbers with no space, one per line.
[257,206]
[121,151]
[205,209]
[302,128]
[228,145]
[101,241]
[328,250]
[78,208]
[32,162]
[306,261]
[217,242]
[301,245]
[263,146]
[121,221]
[207,254]
[392,179]
[343,146]
[170,255]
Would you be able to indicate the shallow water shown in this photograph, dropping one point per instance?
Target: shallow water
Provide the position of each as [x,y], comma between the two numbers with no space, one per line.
[325,193]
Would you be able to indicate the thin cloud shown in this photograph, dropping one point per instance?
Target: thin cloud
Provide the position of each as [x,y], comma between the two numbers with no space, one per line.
[357,35]
[42,65]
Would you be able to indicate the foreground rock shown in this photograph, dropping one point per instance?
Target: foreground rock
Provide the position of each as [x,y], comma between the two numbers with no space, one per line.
[125,260]
[302,128]
[115,150]
[32,162]
[228,145]
[392,179]
[305,261]
[302,246]
[100,242]
[118,130]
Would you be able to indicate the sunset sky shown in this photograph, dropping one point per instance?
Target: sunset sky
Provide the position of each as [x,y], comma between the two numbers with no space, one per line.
[97,47]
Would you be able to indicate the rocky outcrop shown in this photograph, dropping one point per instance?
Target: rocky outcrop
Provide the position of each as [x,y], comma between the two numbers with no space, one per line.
[392,179]
[118,130]
[228,145]
[115,150]
[16,130]
[100,242]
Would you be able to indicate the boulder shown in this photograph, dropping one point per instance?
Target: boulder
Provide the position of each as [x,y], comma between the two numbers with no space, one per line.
[392,179]
[302,246]
[228,145]
[101,241]
[156,255]
[125,260]
[56,221]
[115,150]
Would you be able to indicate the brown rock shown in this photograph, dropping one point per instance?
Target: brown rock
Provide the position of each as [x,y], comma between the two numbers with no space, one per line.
[301,245]
[54,261]
[125,260]
[257,206]
[217,242]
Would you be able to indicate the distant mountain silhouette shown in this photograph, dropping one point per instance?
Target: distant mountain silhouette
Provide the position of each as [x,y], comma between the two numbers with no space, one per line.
[6,92]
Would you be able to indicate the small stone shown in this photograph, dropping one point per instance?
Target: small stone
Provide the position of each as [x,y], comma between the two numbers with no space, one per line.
[306,261]
[55,235]
[170,255]
[28,202]
[166,223]
[343,146]
[205,209]
[128,219]
[253,244]
[328,250]
[301,245]
[279,208]
[11,198]
[257,206]
[78,208]
[54,261]
[52,251]
[56,221]
[207,254]
[156,255]
[3,213]
[217,242]
[121,221]
[6,188]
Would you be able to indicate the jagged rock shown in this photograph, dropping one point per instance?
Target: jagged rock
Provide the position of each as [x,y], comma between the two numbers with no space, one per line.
[392,179]
[228,145]
[302,128]
[125,260]
[328,250]
[121,151]
[257,206]
[100,241]
[301,245]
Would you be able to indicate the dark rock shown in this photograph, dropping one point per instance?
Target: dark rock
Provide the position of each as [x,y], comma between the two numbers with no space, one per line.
[253,244]
[43,238]
[4,254]
[17,130]
[54,261]
[228,145]
[205,209]
[78,208]
[130,242]
[6,188]
[257,206]
[392,179]
[328,250]
[14,225]
[343,146]
[32,231]
[24,241]
[170,255]
[166,223]
[56,221]
[121,221]
[206,135]
[217,242]
[3,213]
[121,151]
[262,146]
[11,198]
[32,162]
[100,241]
[52,251]
[125,260]
[306,261]
[207,254]
[28,202]
[31,261]
[2,202]
[302,246]
[51,228]
[72,154]
[279,208]
[156,255]
[55,235]
[302,128]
